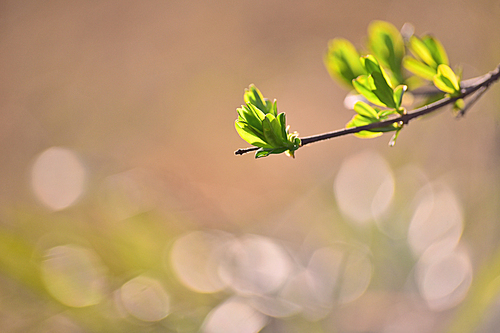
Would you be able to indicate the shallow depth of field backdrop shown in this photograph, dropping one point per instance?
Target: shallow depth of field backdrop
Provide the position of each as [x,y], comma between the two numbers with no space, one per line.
[123,208]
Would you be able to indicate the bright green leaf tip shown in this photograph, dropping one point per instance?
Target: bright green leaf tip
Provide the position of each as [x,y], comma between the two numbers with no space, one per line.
[387,45]
[260,125]
[342,61]
[377,87]
[446,80]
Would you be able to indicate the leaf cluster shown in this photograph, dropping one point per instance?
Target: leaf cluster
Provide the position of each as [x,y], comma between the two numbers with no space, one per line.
[392,64]
[405,61]
[377,89]
[260,125]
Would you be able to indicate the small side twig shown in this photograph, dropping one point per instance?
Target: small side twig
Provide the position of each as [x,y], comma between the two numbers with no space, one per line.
[242,151]
[479,84]
[472,100]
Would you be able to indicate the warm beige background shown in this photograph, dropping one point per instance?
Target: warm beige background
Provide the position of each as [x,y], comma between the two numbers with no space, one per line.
[155,85]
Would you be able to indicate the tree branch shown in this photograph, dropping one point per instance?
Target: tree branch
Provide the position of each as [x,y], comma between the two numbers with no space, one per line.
[481,83]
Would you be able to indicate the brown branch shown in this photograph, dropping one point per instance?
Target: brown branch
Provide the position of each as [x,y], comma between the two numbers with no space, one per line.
[481,83]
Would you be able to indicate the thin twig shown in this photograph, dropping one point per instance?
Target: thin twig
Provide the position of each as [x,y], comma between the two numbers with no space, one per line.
[479,84]
[473,99]
[242,151]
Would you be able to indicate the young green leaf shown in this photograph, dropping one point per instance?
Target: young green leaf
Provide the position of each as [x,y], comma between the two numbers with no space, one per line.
[269,129]
[384,114]
[268,151]
[383,91]
[254,97]
[282,121]
[342,61]
[250,135]
[365,110]
[375,87]
[386,43]
[459,105]
[421,51]
[359,120]
[372,66]
[262,153]
[436,48]
[446,80]
[251,115]
[259,125]
[447,72]
[419,68]
[398,95]
[429,54]
[443,84]
[369,115]
[365,85]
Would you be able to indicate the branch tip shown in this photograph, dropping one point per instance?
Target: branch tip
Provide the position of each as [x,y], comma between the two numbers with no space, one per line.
[477,85]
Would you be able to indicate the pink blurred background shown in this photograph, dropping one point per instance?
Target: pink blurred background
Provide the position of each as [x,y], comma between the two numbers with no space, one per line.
[135,103]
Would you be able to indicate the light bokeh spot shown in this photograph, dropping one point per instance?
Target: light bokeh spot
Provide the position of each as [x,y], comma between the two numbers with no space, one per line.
[254,265]
[145,298]
[444,281]
[274,306]
[364,187]
[195,259]
[302,289]
[341,274]
[333,276]
[437,221]
[73,275]
[234,315]
[394,223]
[58,178]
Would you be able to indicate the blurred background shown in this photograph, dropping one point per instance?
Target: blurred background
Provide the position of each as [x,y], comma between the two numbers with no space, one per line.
[123,208]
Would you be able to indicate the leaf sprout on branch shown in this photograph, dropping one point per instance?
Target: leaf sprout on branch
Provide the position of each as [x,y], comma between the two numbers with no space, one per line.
[379,79]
